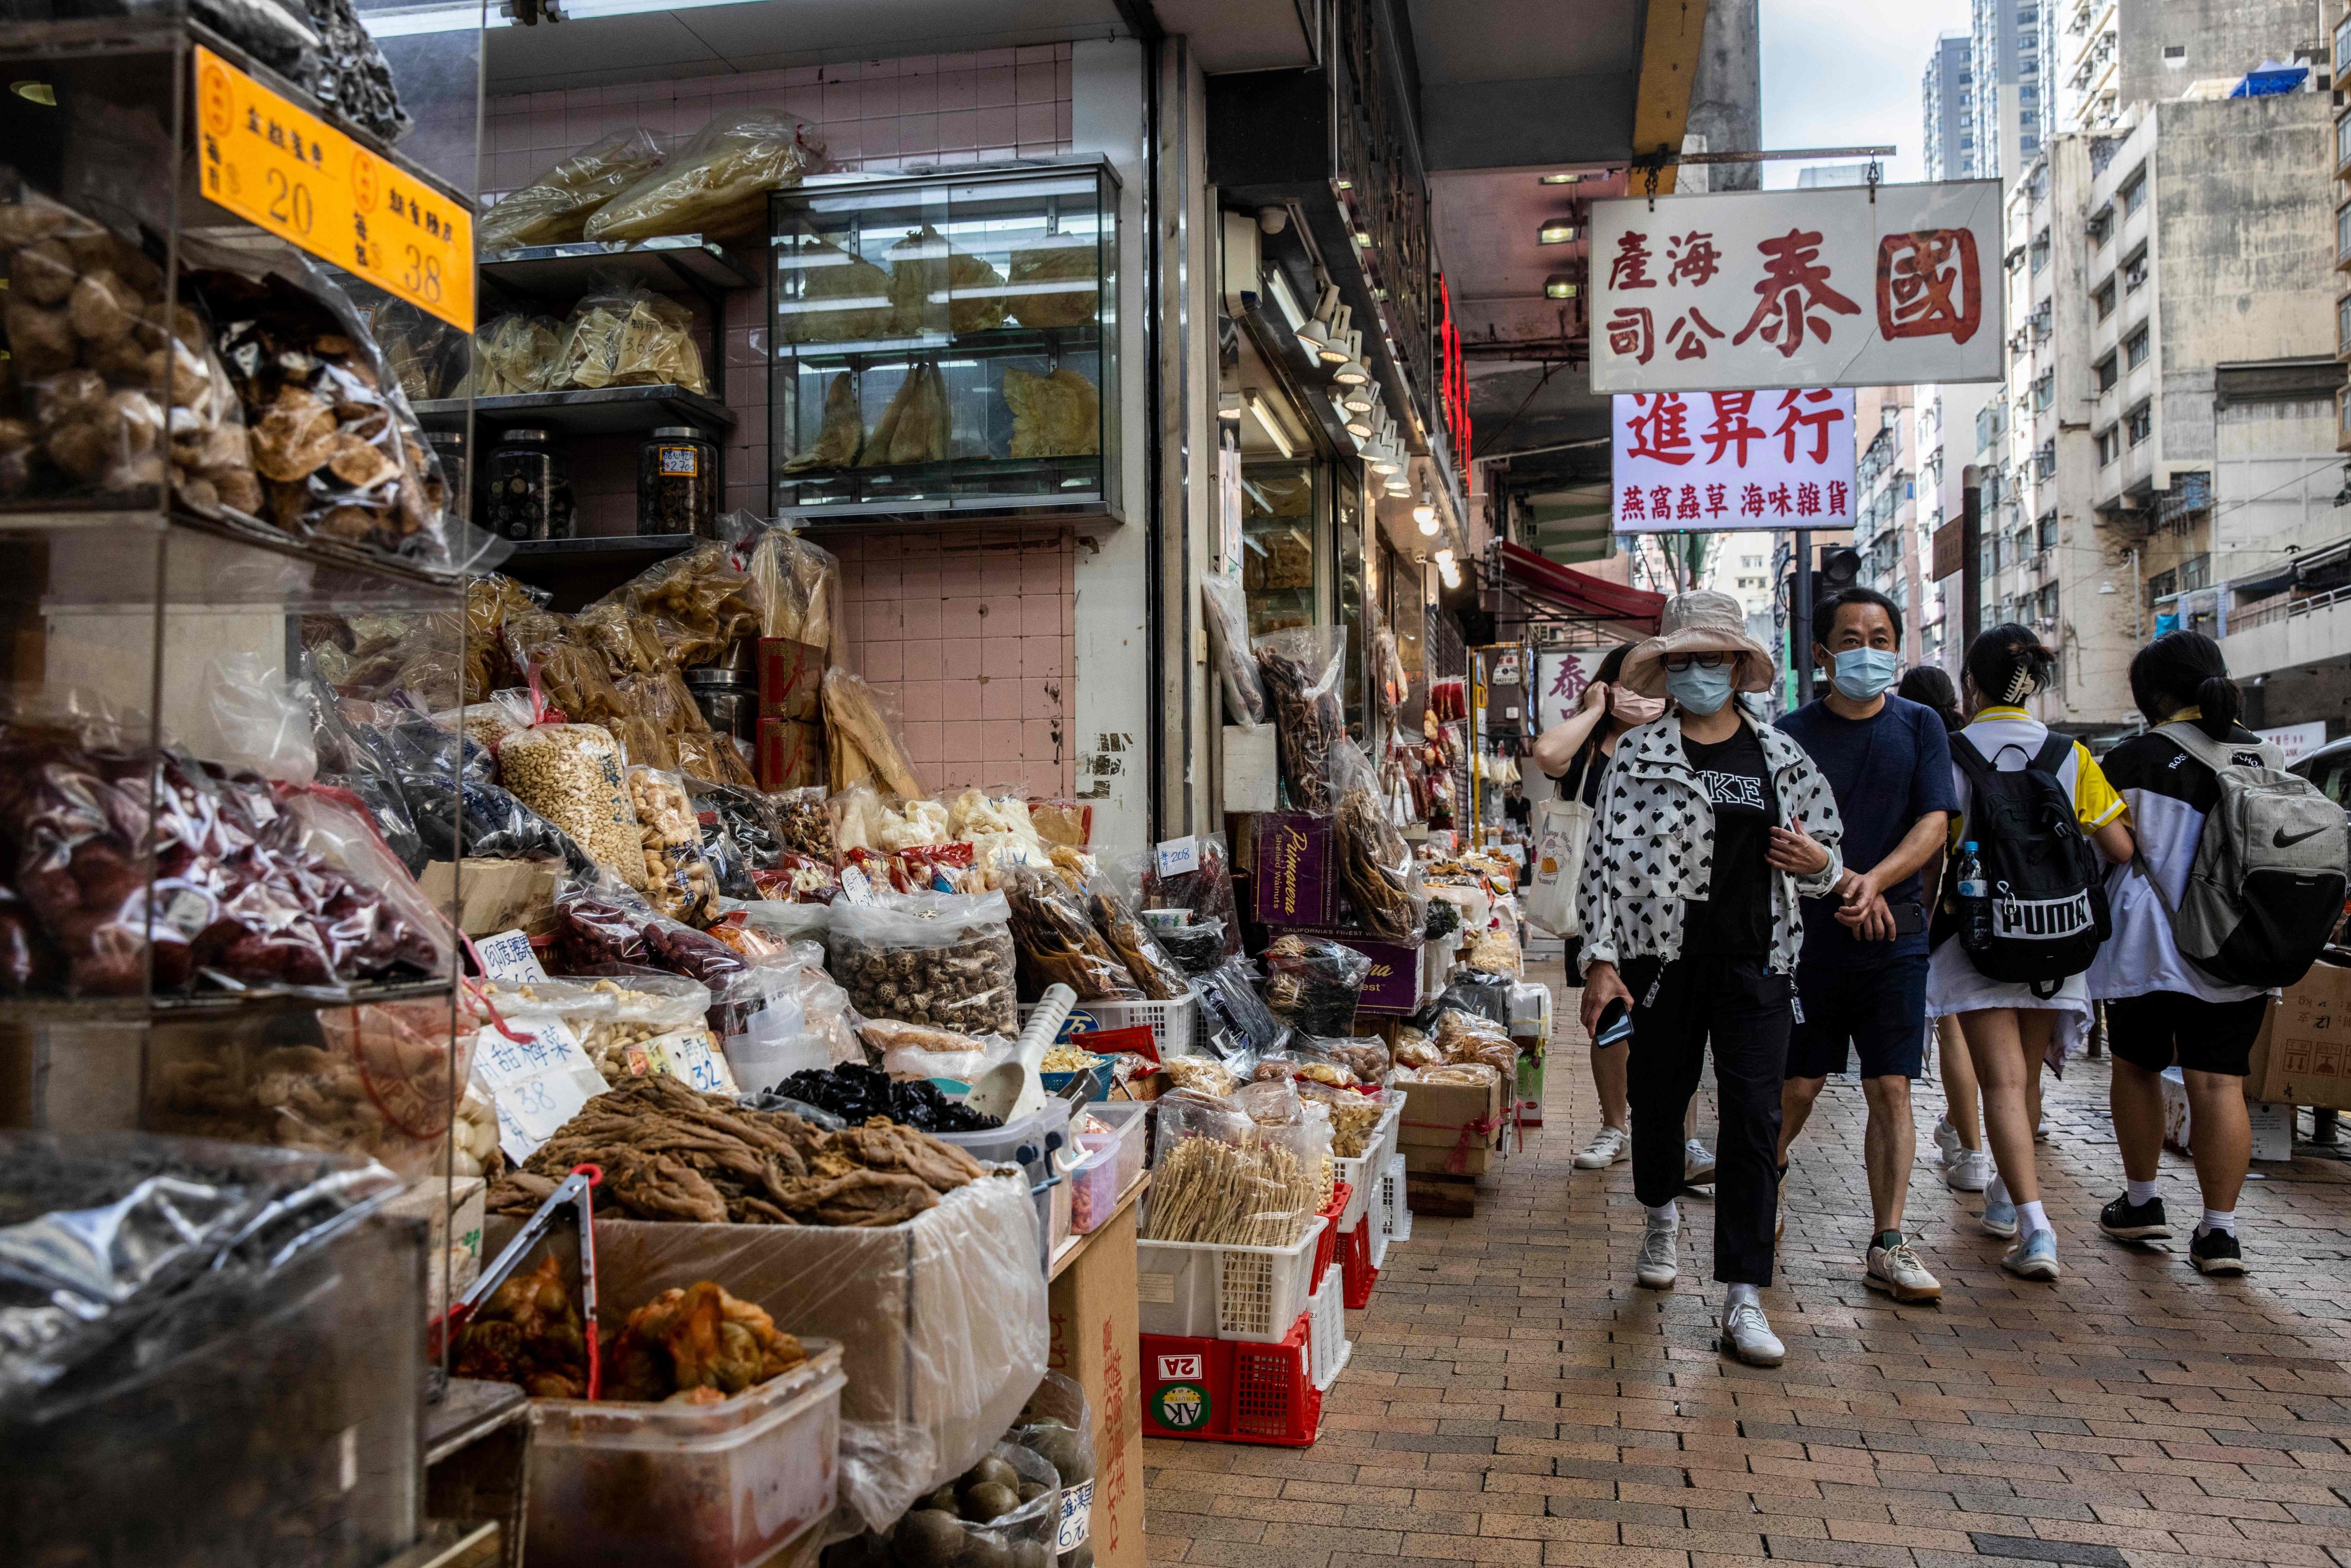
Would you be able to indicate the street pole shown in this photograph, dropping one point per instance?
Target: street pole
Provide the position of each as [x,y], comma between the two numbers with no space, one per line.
[1799,630]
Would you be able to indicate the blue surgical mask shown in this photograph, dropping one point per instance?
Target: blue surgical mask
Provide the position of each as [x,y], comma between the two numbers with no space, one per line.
[1699,689]
[1862,673]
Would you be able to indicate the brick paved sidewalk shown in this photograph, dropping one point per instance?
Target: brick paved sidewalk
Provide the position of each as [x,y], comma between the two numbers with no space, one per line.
[1515,1398]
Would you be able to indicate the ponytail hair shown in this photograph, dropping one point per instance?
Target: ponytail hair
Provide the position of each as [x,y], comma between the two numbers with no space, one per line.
[1930,687]
[2181,668]
[2009,663]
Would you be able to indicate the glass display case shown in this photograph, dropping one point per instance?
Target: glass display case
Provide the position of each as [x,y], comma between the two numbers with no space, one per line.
[1279,532]
[945,343]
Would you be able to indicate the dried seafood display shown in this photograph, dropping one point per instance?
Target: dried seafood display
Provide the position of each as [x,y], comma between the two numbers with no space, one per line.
[1056,415]
[1134,945]
[529,1333]
[1376,865]
[554,208]
[1058,944]
[716,185]
[696,1345]
[1301,669]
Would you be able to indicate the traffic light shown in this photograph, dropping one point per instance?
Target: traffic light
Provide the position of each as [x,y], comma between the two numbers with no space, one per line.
[1840,569]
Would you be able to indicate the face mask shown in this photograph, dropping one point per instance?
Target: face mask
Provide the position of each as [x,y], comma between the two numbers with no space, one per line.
[1633,709]
[1699,689]
[1864,672]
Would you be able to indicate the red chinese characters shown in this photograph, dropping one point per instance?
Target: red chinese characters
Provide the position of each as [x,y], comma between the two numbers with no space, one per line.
[1660,427]
[1815,411]
[1929,286]
[1794,292]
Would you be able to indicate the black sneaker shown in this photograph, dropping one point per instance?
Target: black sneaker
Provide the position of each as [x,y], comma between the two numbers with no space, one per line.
[2128,1221]
[2215,1253]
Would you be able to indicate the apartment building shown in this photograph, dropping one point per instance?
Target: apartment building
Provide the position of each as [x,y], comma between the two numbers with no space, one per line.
[1884,478]
[2089,69]
[1945,101]
[2012,82]
[1944,425]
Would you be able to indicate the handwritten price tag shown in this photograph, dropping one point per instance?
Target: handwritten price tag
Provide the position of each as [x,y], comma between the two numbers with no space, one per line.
[538,1083]
[294,174]
[508,956]
[1179,857]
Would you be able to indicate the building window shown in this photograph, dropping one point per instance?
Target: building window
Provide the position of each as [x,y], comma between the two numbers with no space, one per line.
[2106,372]
[2102,226]
[2048,605]
[2342,325]
[2343,140]
[2135,349]
[2342,43]
[2040,253]
[2103,298]
[2045,530]
[2140,423]
[2134,194]
[2342,232]
[2135,271]
[2110,445]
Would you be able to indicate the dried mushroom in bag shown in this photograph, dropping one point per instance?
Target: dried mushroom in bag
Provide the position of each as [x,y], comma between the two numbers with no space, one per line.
[717,184]
[554,208]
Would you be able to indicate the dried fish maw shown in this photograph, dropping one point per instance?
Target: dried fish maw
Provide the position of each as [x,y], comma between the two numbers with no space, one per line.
[843,296]
[1063,267]
[840,436]
[554,207]
[1056,415]
[881,445]
[931,281]
[716,186]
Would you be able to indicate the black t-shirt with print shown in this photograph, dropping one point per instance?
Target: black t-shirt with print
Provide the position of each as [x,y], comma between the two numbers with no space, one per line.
[1735,918]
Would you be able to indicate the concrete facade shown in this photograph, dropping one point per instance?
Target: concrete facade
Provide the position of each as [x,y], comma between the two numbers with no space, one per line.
[1944,418]
[1946,103]
[1727,98]
[2167,47]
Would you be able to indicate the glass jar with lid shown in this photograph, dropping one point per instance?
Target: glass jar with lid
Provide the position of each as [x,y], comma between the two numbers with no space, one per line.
[528,494]
[678,482]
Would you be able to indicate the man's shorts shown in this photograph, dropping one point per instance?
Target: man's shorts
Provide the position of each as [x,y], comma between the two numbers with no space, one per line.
[2162,1026]
[1879,1012]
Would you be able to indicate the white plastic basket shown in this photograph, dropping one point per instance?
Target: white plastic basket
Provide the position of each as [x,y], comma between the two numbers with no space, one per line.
[1202,1291]
[1326,1331]
[1378,1247]
[1396,1210]
[1175,1025]
[1359,1185]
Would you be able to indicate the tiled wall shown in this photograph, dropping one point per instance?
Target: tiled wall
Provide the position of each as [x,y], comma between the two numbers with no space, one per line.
[973,627]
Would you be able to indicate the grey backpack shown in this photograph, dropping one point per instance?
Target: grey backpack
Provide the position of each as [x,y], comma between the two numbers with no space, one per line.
[2267,887]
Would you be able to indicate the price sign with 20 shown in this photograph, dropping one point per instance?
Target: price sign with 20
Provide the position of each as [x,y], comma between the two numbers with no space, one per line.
[292,173]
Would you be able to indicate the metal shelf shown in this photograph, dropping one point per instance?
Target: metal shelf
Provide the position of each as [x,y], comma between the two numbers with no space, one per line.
[602,411]
[212,561]
[202,1006]
[565,272]
[932,488]
[996,343]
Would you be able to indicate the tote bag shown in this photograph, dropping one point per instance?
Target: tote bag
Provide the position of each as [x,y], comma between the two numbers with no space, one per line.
[1562,829]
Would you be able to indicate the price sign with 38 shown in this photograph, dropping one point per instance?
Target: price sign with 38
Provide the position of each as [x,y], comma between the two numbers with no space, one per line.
[307,182]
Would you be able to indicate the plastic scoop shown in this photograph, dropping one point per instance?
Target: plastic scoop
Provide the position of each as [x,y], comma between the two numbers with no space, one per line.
[1016,1089]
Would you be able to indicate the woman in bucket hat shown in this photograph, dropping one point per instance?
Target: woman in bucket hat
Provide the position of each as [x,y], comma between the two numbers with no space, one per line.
[1710,827]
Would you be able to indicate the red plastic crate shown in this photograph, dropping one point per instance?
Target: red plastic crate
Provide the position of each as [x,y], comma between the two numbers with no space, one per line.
[1327,1246]
[1355,1265]
[1228,1391]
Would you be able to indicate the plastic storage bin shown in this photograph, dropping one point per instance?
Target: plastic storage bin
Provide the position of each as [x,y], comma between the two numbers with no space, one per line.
[1175,1025]
[1197,1289]
[1229,1392]
[1132,1119]
[1094,1186]
[686,1485]
[1326,1333]
[1396,1208]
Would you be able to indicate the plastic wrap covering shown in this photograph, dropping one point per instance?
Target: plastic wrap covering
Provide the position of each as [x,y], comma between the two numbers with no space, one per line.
[209,1356]
[1312,983]
[1058,1427]
[716,185]
[517,353]
[678,878]
[1006,1510]
[699,602]
[942,1321]
[1135,944]
[353,758]
[602,922]
[1235,1173]
[619,1019]
[1208,892]
[554,208]
[1376,867]
[1228,644]
[1198,947]
[1057,942]
[1234,1019]
[863,734]
[623,334]
[939,958]
[74,824]
[798,585]
[494,822]
[573,775]
[1301,669]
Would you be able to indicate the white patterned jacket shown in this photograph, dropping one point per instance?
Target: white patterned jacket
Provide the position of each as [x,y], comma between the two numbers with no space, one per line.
[1652,846]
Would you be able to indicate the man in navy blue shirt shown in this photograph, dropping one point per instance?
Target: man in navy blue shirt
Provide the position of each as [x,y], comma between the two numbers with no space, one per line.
[1860,982]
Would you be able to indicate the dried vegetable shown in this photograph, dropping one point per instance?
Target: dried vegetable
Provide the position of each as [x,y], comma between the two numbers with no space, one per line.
[554,207]
[696,1345]
[529,1333]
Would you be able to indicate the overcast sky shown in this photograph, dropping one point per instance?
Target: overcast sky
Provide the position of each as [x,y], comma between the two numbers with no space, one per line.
[1844,73]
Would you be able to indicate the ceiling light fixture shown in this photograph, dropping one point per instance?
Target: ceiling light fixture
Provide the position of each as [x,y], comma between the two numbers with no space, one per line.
[1555,231]
[1361,397]
[1228,406]
[1264,417]
[38,92]
[1425,515]
[1350,372]
[1363,238]
[1359,426]
[1332,350]
[1561,179]
[1559,286]
[1315,330]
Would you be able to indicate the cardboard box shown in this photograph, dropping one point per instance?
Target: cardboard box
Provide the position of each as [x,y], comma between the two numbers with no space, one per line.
[1394,986]
[453,1218]
[791,680]
[1443,1121]
[1294,870]
[1095,1343]
[1252,777]
[791,754]
[2303,1054]
[1440,1162]
[499,895]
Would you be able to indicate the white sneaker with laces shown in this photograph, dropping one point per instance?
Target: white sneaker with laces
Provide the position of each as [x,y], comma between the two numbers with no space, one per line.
[1896,1271]
[1970,1172]
[1947,1139]
[1607,1146]
[1660,1262]
[1698,1164]
[1747,1334]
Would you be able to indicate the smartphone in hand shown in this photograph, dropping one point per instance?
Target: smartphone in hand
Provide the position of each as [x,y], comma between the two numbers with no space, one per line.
[1616,1023]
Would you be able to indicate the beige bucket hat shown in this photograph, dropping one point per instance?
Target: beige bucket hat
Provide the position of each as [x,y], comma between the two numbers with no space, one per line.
[1702,622]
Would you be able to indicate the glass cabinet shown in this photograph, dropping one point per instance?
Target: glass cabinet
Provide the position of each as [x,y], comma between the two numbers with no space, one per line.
[945,343]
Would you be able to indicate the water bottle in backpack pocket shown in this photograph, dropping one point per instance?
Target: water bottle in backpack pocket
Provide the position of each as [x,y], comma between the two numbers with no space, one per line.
[2042,914]
[2267,884]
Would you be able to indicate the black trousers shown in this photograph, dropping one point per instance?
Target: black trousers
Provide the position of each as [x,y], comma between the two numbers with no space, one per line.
[1744,1010]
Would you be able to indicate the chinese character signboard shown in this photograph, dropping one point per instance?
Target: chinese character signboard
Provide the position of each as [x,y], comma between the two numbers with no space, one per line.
[306,182]
[1690,462]
[1839,288]
[1559,680]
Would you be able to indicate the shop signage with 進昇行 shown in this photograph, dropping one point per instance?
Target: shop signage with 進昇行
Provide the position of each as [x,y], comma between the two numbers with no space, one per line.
[1690,462]
[1858,285]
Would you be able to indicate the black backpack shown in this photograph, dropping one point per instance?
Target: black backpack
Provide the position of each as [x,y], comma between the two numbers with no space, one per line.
[2047,884]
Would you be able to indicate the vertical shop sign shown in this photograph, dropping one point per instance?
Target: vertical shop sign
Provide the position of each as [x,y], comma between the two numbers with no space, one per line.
[1560,678]
[308,183]
[1701,461]
[1860,285]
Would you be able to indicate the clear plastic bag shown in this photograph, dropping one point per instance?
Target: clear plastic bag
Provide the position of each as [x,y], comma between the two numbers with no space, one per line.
[700,603]
[933,957]
[864,740]
[713,757]
[717,184]
[1376,867]
[256,722]
[1366,1056]
[798,587]
[517,353]
[1134,944]
[1058,1427]
[554,207]
[1234,1022]
[574,776]
[1312,983]
[1301,669]
[1207,892]
[600,922]
[920,1051]
[1222,1175]
[1226,608]
[804,823]
[456,811]
[679,881]
[861,818]
[624,335]
[1057,942]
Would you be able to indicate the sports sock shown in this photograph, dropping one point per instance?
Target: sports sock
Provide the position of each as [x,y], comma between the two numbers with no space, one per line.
[2030,1219]
[2217,1219]
[1733,1295]
[1663,1215]
[2139,1191]
[1997,1192]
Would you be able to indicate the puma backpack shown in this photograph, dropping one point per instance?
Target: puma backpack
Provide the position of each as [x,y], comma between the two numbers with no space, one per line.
[2047,888]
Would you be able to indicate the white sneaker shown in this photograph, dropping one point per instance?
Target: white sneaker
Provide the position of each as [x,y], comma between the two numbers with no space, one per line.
[1660,1262]
[1748,1335]
[1947,1139]
[1698,1164]
[1896,1271]
[1607,1146]
[1970,1172]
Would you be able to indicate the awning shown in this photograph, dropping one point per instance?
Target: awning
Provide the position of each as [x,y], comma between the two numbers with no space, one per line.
[1580,593]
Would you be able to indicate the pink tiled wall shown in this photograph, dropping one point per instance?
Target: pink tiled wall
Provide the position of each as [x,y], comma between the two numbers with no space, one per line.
[973,627]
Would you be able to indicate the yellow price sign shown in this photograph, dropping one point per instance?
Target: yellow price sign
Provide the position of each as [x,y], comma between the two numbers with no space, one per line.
[291,172]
